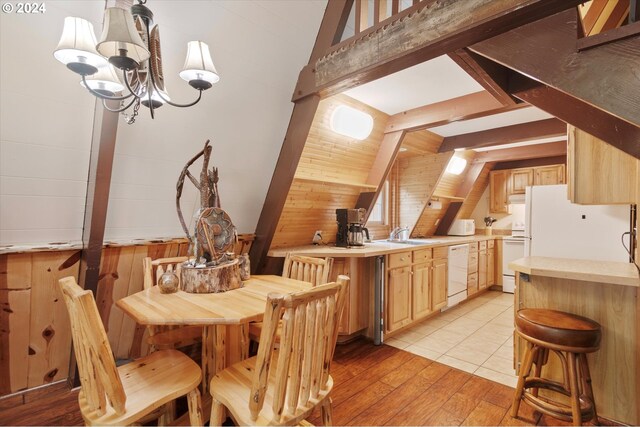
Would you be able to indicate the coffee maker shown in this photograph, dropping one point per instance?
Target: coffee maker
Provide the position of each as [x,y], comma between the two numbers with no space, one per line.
[351,229]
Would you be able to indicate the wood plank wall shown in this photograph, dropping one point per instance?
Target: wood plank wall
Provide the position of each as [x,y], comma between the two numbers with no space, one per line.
[418,175]
[331,174]
[35,335]
[447,186]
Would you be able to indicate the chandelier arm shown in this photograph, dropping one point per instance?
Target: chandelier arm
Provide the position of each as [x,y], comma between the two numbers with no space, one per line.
[153,82]
[119,110]
[143,91]
[106,97]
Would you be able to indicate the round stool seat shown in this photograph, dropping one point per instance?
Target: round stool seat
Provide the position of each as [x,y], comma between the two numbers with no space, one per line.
[558,328]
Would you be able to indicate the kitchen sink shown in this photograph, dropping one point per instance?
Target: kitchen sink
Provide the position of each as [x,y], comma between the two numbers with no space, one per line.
[413,241]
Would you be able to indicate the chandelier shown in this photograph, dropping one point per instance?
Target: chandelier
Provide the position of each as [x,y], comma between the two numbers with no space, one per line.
[126,65]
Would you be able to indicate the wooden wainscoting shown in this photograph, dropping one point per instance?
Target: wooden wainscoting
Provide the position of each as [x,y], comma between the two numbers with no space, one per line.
[35,335]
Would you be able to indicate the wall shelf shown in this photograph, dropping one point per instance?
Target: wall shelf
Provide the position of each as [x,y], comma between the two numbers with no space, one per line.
[337,181]
[442,196]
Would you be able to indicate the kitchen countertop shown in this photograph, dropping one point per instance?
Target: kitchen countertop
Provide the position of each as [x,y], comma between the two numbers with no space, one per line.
[376,248]
[616,273]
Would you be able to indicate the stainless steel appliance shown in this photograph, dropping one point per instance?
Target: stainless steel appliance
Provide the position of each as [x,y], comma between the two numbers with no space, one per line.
[351,229]
[457,272]
[462,227]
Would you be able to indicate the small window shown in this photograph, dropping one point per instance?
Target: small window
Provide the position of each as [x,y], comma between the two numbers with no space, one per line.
[379,211]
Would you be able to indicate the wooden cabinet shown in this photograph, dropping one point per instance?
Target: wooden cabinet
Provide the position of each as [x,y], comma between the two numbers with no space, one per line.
[491,265]
[439,278]
[416,286]
[472,269]
[355,315]
[549,175]
[398,298]
[482,266]
[520,178]
[504,183]
[599,173]
[498,181]
[421,290]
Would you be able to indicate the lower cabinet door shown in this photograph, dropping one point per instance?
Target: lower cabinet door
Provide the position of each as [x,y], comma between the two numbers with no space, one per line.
[439,279]
[421,287]
[482,269]
[398,299]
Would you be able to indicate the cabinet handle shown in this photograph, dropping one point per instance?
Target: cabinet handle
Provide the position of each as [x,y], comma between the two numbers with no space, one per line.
[402,259]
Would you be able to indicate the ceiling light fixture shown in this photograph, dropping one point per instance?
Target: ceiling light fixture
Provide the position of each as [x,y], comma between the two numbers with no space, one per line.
[130,43]
[350,122]
[456,165]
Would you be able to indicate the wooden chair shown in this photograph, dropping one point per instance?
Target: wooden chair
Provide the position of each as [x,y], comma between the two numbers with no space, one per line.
[167,337]
[313,270]
[132,392]
[254,394]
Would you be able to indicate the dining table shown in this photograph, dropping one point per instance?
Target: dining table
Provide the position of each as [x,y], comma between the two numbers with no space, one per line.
[224,316]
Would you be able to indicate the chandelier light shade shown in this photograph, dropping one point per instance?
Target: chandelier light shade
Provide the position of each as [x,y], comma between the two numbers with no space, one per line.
[105,81]
[126,65]
[120,41]
[77,47]
[198,69]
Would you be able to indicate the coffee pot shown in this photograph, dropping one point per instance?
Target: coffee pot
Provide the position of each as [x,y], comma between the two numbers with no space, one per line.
[357,234]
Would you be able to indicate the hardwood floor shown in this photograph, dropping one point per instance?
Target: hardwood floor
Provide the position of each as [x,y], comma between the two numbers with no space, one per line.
[374,385]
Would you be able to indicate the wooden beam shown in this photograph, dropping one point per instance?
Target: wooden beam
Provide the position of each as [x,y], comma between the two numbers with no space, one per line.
[362,15]
[387,154]
[422,32]
[472,106]
[331,28]
[551,149]
[606,77]
[613,35]
[531,163]
[478,68]
[506,135]
[470,178]
[599,123]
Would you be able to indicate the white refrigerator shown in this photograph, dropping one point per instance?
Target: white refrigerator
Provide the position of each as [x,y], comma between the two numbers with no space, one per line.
[555,227]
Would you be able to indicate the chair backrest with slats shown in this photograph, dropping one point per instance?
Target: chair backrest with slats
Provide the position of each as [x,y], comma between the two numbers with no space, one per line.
[96,366]
[310,321]
[153,269]
[313,270]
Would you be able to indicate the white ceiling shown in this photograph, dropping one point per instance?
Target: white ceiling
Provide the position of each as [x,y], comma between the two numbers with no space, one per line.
[429,82]
[514,117]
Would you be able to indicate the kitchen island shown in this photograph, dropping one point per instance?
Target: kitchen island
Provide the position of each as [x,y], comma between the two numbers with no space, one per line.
[394,285]
[606,292]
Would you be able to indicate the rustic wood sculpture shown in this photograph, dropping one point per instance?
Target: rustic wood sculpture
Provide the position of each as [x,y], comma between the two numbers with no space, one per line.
[214,267]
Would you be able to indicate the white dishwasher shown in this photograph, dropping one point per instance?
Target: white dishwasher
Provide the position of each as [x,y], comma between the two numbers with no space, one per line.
[457,272]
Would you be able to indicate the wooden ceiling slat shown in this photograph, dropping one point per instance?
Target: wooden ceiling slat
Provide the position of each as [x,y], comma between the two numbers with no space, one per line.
[551,149]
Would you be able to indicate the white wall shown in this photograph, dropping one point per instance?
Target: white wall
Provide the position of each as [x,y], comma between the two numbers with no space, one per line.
[504,220]
[258,48]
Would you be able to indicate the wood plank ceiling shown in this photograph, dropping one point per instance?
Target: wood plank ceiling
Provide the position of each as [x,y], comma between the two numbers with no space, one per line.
[323,176]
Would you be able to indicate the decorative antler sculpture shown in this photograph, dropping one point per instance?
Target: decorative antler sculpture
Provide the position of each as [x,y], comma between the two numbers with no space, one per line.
[214,267]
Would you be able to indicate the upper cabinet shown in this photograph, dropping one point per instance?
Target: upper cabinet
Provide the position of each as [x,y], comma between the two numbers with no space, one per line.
[599,173]
[520,178]
[505,183]
[549,175]
[498,184]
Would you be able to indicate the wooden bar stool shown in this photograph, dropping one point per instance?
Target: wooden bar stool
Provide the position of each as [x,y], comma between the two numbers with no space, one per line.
[571,337]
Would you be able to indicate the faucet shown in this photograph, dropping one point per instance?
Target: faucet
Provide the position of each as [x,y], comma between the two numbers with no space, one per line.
[396,231]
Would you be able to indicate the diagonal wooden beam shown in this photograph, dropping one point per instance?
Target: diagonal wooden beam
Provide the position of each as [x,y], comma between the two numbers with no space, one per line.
[304,110]
[551,149]
[599,123]
[417,34]
[387,154]
[488,74]
[472,106]
[506,135]
[470,178]
[605,77]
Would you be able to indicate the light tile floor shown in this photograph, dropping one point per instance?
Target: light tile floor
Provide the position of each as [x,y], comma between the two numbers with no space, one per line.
[476,337]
